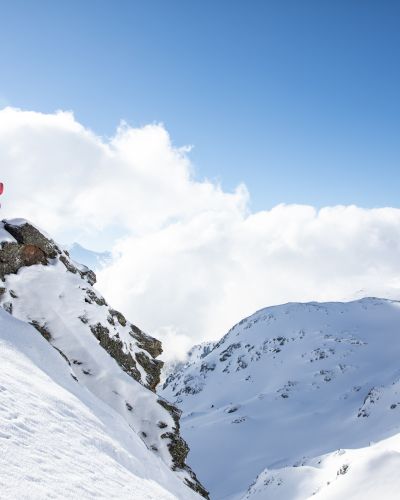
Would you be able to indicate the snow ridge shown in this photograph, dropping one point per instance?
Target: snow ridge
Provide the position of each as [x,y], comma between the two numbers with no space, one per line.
[104,353]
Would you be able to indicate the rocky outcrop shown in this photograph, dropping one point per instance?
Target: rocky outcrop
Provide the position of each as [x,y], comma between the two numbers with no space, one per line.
[31,247]
[149,344]
[26,234]
[13,256]
[76,303]
[179,448]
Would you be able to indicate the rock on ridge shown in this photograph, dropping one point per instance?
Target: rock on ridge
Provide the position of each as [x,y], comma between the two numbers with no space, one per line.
[43,286]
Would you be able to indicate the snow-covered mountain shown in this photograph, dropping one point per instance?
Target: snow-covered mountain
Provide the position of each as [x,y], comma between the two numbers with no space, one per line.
[79,417]
[93,260]
[368,473]
[271,410]
[296,401]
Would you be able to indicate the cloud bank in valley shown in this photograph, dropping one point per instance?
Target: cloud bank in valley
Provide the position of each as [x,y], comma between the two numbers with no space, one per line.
[190,259]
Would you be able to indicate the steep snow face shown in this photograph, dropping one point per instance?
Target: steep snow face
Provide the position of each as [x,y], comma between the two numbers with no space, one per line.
[288,384]
[106,354]
[60,441]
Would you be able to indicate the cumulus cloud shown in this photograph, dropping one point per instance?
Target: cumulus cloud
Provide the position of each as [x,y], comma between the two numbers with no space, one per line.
[190,259]
[75,183]
[201,276]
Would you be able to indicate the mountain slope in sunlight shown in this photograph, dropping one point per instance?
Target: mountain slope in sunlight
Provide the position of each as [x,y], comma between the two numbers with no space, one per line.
[286,385]
[78,384]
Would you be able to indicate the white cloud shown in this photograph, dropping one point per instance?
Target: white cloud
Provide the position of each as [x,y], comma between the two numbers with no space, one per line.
[75,183]
[193,260]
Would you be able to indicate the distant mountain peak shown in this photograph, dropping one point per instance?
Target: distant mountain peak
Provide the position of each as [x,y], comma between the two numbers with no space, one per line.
[90,258]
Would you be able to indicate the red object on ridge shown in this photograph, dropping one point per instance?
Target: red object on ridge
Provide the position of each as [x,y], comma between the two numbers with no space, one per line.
[1,188]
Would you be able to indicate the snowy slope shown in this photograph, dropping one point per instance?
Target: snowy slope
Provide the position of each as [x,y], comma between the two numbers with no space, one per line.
[361,474]
[105,355]
[58,440]
[287,385]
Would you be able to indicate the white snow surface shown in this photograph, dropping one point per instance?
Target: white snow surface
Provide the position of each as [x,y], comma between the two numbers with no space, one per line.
[287,388]
[73,423]
[58,440]
[54,297]
[368,473]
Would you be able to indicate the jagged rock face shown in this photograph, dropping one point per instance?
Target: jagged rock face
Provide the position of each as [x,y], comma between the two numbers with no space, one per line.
[59,440]
[31,248]
[14,256]
[44,287]
[26,234]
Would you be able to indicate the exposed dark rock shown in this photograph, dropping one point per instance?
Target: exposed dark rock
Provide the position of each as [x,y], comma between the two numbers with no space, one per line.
[32,255]
[32,248]
[207,367]
[120,317]
[63,355]
[178,449]
[227,353]
[42,330]
[88,275]
[26,234]
[152,367]
[195,485]
[172,410]
[68,264]
[14,256]
[7,306]
[114,347]
[149,344]
[343,470]
[91,296]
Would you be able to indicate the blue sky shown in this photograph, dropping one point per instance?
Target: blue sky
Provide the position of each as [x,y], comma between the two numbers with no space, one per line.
[298,99]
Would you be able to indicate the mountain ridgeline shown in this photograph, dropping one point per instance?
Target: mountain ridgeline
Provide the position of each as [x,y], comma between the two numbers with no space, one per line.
[105,353]
[296,401]
[283,395]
